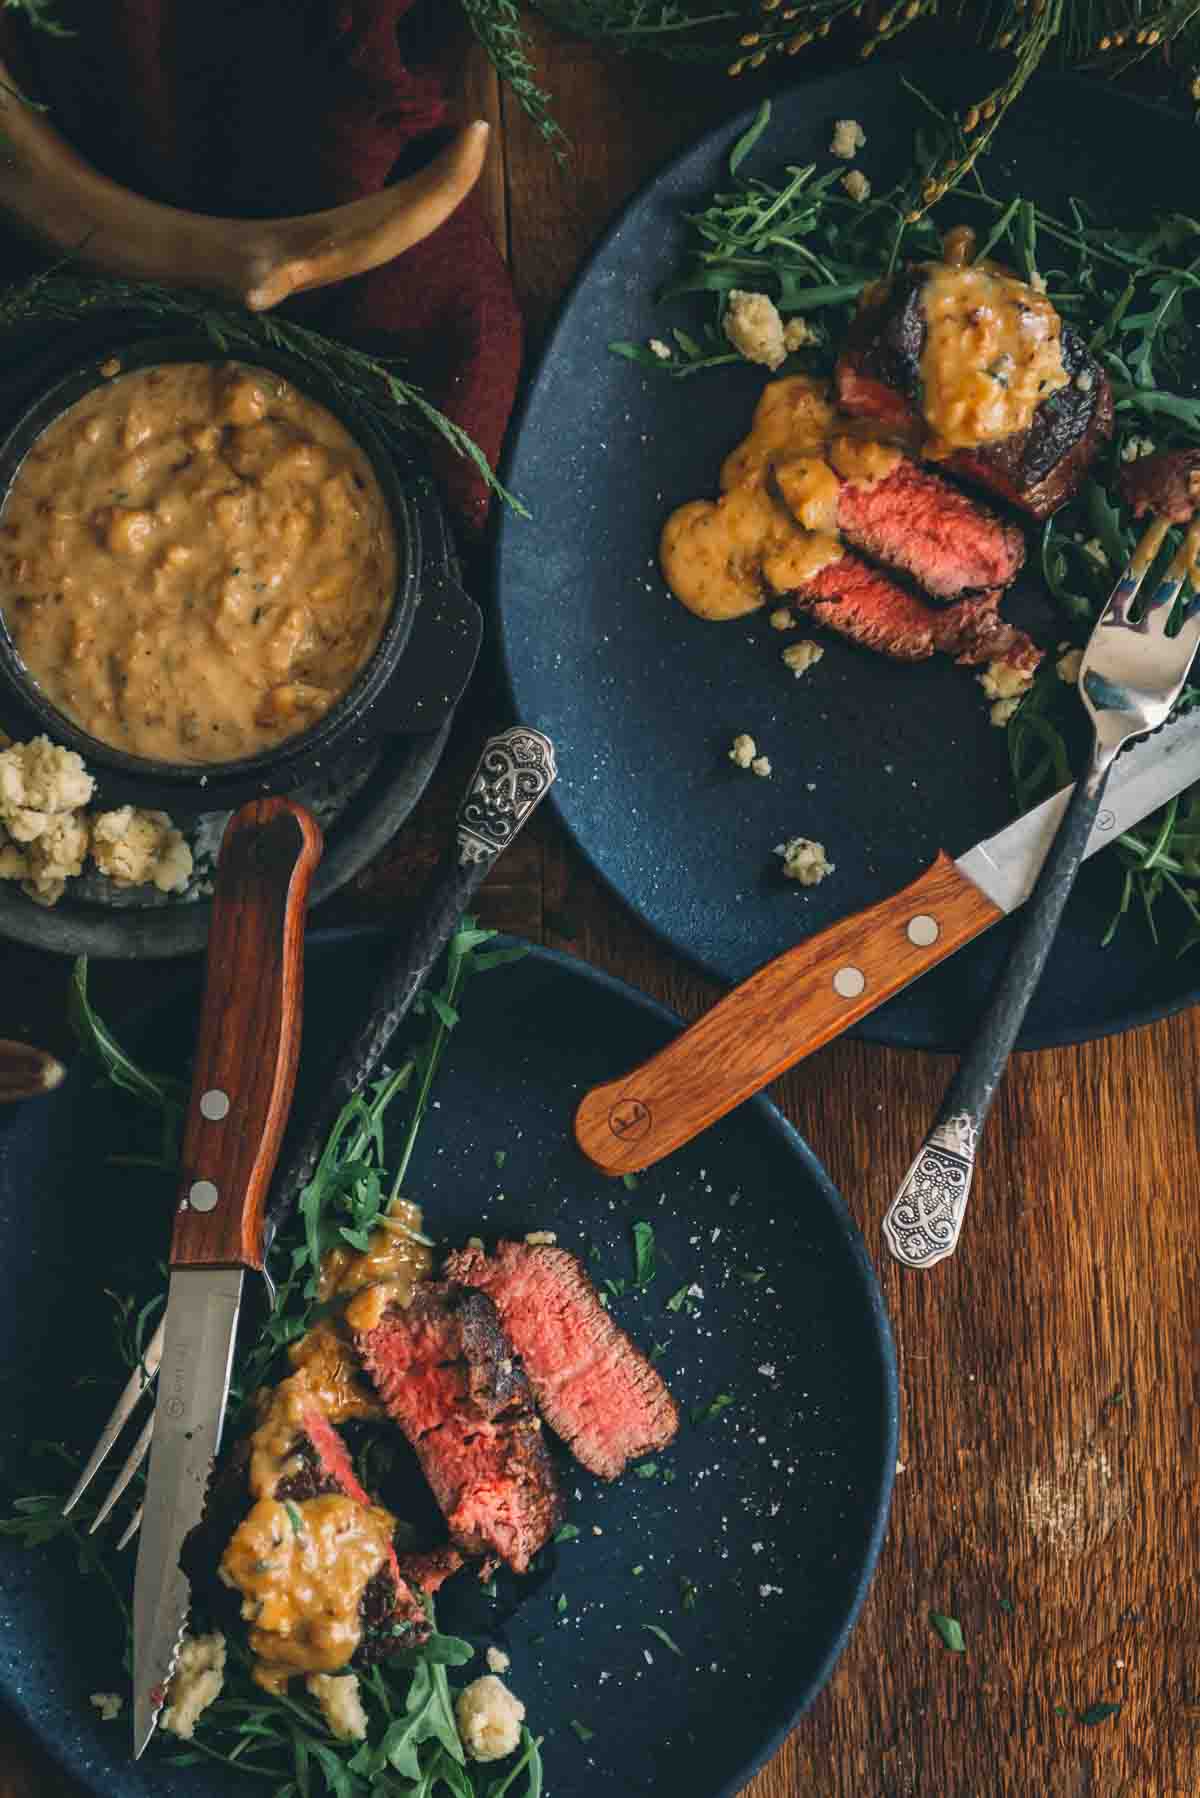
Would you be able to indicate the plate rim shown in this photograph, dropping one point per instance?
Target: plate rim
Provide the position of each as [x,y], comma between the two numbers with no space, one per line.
[870,1029]
[882,1337]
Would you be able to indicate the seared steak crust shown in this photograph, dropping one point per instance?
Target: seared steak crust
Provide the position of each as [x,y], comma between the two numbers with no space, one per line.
[450,1378]
[1167,484]
[596,1390]
[879,376]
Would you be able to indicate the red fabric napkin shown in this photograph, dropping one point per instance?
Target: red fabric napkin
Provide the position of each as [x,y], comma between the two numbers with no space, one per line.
[265,107]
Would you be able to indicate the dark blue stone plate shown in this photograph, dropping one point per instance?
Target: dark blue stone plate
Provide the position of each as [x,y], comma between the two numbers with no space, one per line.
[776,1507]
[882,764]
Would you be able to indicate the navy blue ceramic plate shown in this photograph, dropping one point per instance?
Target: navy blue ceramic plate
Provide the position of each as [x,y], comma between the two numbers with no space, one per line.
[883,765]
[774,1508]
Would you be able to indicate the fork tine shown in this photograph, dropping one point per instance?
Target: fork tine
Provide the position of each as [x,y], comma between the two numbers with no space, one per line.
[139,1381]
[131,1528]
[1158,610]
[137,1455]
[1130,583]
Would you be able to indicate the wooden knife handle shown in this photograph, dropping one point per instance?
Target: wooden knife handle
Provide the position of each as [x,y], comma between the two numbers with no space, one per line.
[249,1039]
[782,1013]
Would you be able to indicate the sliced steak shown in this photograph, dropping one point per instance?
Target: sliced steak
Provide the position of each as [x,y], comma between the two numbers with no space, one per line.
[864,604]
[450,1378]
[595,1389]
[920,524]
[1039,469]
[1167,484]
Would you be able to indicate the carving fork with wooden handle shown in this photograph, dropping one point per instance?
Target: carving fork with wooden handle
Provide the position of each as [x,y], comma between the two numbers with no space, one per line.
[60,199]
[826,984]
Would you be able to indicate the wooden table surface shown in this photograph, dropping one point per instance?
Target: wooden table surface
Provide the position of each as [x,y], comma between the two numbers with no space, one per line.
[1050,1452]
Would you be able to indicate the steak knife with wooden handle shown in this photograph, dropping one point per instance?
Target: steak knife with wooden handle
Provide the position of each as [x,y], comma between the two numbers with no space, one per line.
[242,1082]
[812,993]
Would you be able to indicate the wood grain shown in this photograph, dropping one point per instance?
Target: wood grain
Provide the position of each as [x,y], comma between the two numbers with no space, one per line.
[248,1045]
[785,1010]
[1049,1439]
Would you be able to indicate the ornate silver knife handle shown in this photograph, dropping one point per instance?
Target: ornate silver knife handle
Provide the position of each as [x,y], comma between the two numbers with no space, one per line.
[515,771]
[924,1219]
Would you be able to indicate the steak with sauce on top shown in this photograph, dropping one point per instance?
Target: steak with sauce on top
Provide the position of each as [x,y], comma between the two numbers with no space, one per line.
[595,1389]
[314,1485]
[882,375]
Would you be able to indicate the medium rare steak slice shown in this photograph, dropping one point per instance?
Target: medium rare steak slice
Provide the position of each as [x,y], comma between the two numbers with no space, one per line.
[864,604]
[449,1377]
[1039,469]
[1167,484]
[920,524]
[595,1389]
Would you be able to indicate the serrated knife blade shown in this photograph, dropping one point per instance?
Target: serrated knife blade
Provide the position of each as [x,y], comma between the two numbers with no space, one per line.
[189,1413]
[831,980]
[243,1077]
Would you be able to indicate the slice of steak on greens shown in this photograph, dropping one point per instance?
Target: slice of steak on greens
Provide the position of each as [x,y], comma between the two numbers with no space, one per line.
[870,608]
[450,1378]
[594,1387]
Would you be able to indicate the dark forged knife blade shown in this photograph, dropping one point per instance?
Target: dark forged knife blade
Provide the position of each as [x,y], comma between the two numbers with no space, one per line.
[813,992]
[242,1084]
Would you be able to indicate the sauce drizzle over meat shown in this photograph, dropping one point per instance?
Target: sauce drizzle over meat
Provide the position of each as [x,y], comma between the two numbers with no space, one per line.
[302,1566]
[196,562]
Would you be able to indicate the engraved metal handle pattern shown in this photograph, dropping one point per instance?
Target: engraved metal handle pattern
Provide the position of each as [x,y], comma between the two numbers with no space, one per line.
[515,771]
[924,1219]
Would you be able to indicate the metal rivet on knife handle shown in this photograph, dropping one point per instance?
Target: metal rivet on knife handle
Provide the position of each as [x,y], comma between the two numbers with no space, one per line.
[922,930]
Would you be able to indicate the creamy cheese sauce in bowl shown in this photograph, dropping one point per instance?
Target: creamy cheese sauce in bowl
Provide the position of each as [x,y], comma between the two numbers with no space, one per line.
[209,575]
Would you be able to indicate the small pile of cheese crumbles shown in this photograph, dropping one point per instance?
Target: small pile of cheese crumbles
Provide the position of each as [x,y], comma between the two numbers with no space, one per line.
[46,833]
[1006,686]
[804,860]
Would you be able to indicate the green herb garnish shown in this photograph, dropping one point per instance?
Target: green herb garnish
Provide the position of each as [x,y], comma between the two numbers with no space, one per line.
[702,1413]
[567,1533]
[676,1300]
[643,1254]
[1099,1713]
[950,1630]
[689,1592]
[581,1730]
[294,1517]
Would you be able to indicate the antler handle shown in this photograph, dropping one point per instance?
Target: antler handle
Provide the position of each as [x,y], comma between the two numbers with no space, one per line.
[64,201]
